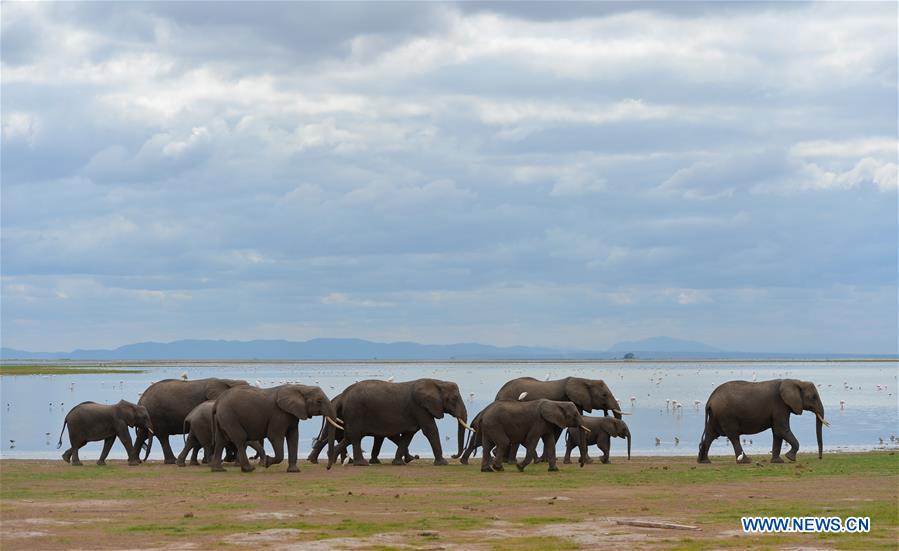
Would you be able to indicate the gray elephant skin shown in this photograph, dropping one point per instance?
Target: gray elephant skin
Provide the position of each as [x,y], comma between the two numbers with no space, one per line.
[402,453]
[170,401]
[92,422]
[506,422]
[602,429]
[245,413]
[198,428]
[381,408]
[586,394]
[742,407]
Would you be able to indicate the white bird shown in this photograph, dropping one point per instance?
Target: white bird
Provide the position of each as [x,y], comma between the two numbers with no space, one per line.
[258,383]
[522,396]
[547,377]
[390,379]
[184,376]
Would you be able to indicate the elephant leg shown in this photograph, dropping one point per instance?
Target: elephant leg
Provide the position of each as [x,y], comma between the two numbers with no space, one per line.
[433,435]
[376,450]
[293,445]
[502,450]
[257,448]
[358,458]
[794,445]
[166,449]
[77,445]
[67,455]
[133,453]
[188,447]
[776,445]
[107,445]
[511,455]
[549,447]
[196,452]
[530,453]
[488,445]
[605,452]
[569,445]
[738,448]
[219,440]
[704,445]
[557,433]
[277,446]
[340,449]
[405,440]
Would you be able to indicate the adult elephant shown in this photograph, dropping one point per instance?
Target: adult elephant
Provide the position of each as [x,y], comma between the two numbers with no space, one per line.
[200,435]
[380,408]
[741,407]
[169,401]
[586,394]
[402,453]
[244,413]
[506,423]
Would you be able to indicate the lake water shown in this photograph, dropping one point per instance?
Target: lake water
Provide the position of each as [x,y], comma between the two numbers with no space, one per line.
[33,407]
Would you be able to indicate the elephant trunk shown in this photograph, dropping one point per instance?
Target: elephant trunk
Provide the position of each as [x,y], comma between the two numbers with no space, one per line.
[819,422]
[627,434]
[148,446]
[462,417]
[461,437]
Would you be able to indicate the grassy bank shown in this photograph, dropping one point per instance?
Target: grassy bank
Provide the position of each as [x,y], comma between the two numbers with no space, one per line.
[61,369]
[48,504]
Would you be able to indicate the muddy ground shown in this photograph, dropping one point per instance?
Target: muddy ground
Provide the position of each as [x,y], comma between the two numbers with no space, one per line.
[51,505]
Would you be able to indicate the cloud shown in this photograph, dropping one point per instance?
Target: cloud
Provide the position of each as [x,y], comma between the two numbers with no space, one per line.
[501,172]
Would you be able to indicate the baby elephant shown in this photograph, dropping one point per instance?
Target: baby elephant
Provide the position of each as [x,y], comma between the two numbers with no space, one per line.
[198,428]
[602,429]
[506,422]
[90,422]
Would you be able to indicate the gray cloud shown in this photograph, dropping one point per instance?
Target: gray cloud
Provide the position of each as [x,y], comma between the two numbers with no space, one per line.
[501,172]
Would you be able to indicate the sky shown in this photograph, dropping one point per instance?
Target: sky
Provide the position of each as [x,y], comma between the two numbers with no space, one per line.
[565,175]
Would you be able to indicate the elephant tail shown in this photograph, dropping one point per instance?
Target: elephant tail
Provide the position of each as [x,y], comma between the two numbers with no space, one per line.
[185,428]
[705,427]
[64,423]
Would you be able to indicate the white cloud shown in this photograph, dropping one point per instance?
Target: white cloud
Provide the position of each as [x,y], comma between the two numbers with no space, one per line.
[343,299]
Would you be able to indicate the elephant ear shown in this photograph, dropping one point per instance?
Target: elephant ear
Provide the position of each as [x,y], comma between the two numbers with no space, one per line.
[792,396]
[578,392]
[291,401]
[427,395]
[552,412]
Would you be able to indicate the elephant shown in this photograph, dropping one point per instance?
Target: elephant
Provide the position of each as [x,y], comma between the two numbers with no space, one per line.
[402,453]
[741,407]
[381,408]
[601,431]
[198,428]
[90,422]
[506,422]
[586,394]
[246,413]
[169,401]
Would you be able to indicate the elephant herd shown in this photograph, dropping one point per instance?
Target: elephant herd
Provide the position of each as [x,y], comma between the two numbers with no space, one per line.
[225,416]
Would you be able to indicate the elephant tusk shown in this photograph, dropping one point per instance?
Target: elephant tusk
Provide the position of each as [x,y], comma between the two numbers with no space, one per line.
[586,429]
[334,423]
[339,420]
[823,421]
[619,412]
[466,425]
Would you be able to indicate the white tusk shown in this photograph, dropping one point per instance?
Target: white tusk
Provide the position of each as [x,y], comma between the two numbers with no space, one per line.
[619,412]
[339,420]
[586,429]
[466,425]
[333,423]
[522,396]
[823,421]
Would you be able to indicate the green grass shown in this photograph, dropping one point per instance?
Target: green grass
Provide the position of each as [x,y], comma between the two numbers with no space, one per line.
[60,369]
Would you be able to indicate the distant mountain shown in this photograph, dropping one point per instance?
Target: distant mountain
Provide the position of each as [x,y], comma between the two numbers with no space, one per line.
[315,349]
[358,349]
[664,344]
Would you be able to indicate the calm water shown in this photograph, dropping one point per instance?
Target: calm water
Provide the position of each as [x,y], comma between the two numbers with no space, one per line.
[33,407]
